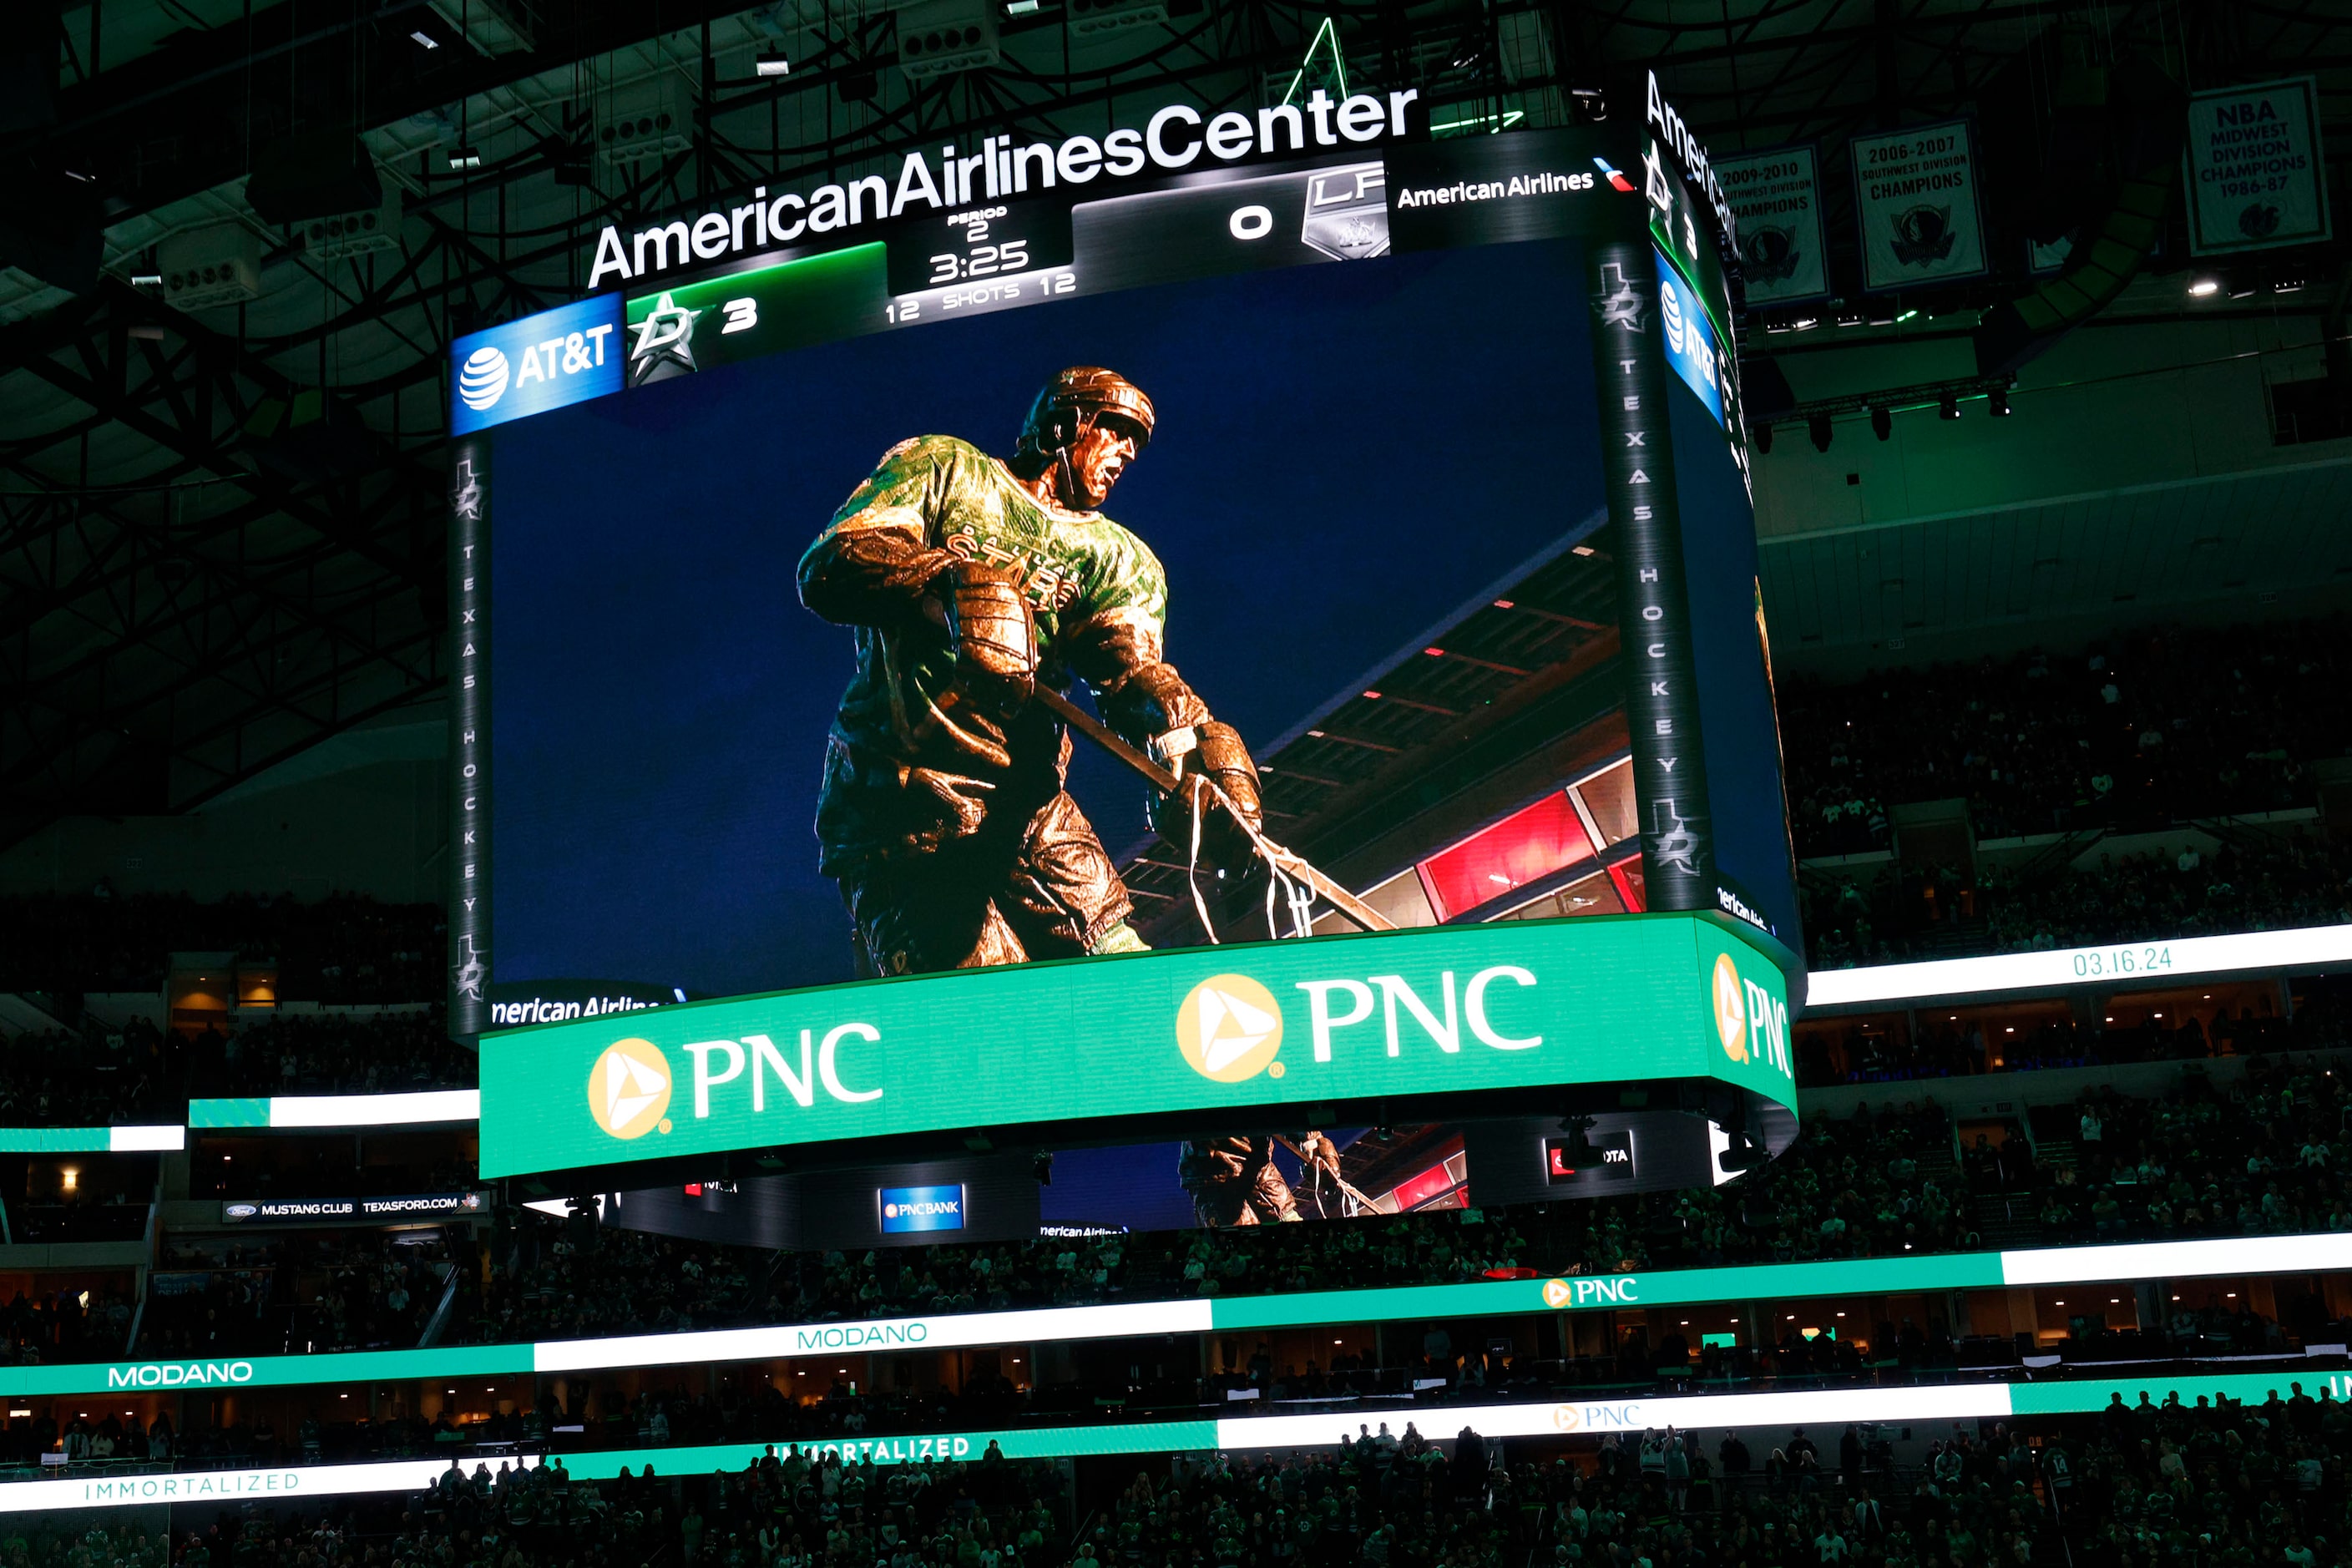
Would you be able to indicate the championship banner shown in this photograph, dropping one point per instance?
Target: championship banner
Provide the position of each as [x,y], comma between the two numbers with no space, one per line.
[2256,173]
[1914,196]
[1776,197]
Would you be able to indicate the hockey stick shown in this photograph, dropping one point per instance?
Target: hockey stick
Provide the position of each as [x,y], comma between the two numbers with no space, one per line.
[1160,778]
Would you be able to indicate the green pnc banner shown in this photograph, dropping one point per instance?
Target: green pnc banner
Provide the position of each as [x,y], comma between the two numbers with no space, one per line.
[1442,1010]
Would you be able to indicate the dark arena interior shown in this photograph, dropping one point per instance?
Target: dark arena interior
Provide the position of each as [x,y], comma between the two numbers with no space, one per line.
[1175,783]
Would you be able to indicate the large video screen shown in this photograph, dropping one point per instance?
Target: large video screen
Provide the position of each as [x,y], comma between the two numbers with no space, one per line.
[1343,455]
[837,636]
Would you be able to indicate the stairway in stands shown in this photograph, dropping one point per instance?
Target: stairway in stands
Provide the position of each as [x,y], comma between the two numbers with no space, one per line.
[2006,1220]
[1958,938]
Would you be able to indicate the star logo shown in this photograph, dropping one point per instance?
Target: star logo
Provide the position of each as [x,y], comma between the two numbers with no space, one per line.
[628,1088]
[665,342]
[1229,1029]
[1674,844]
[467,502]
[471,972]
[1621,303]
[1655,183]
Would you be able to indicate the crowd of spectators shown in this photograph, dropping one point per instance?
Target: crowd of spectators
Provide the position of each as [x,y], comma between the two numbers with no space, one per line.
[78,1323]
[2158,727]
[1883,1180]
[355,1290]
[2272,1159]
[2208,1484]
[1886,1050]
[331,1053]
[342,950]
[2260,882]
[2267,1156]
[574,1278]
[1850,1186]
[98,1076]
[786,1509]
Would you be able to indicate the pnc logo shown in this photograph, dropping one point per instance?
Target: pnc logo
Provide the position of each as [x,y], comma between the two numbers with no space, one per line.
[628,1088]
[1229,1029]
[1557,1292]
[1566,1417]
[1730,1012]
[1752,1022]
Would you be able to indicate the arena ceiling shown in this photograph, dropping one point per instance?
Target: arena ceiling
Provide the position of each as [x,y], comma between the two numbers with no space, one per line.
[221,530]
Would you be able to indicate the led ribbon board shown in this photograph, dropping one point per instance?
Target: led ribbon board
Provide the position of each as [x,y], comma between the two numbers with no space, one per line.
[1427,1015]
[1321,1429]
[2118,966]
[2256,1255]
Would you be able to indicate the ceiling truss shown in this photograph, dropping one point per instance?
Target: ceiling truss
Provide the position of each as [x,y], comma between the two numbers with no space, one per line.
[221,532]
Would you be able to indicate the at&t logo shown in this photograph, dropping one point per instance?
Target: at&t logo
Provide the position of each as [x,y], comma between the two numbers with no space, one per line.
[1229,1029]
[628,1088]
[542,362]
[482,379]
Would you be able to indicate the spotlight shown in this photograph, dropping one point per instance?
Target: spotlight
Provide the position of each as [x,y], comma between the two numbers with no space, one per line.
[1949,408]
[1882,422]
[2204,288]
[1997,403]
[772,62]
[1817,425]
[465,155]
[425,40]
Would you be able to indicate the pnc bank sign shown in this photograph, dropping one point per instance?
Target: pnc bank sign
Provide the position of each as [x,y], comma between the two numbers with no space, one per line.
[1435,1011]
[1228,1029]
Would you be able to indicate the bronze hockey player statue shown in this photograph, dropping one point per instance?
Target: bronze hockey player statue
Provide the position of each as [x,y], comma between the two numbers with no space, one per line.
[968,581]
[1234,1181]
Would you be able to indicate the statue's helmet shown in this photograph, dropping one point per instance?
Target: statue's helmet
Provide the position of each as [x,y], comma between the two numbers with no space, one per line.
[1077,394]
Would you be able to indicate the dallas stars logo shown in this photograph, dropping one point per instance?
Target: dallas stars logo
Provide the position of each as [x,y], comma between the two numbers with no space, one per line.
[471,972]
[1673,843]
[1621,305]
[665,342]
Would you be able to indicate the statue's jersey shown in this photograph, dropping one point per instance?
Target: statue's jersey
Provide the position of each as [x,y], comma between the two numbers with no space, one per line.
[1098,593]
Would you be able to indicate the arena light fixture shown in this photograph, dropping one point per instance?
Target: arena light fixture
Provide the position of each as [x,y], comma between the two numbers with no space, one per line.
[425,39]
[1997,403]
[2204,288]
[1818,425]
[1882,422]
[772,63]
[1949,408]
